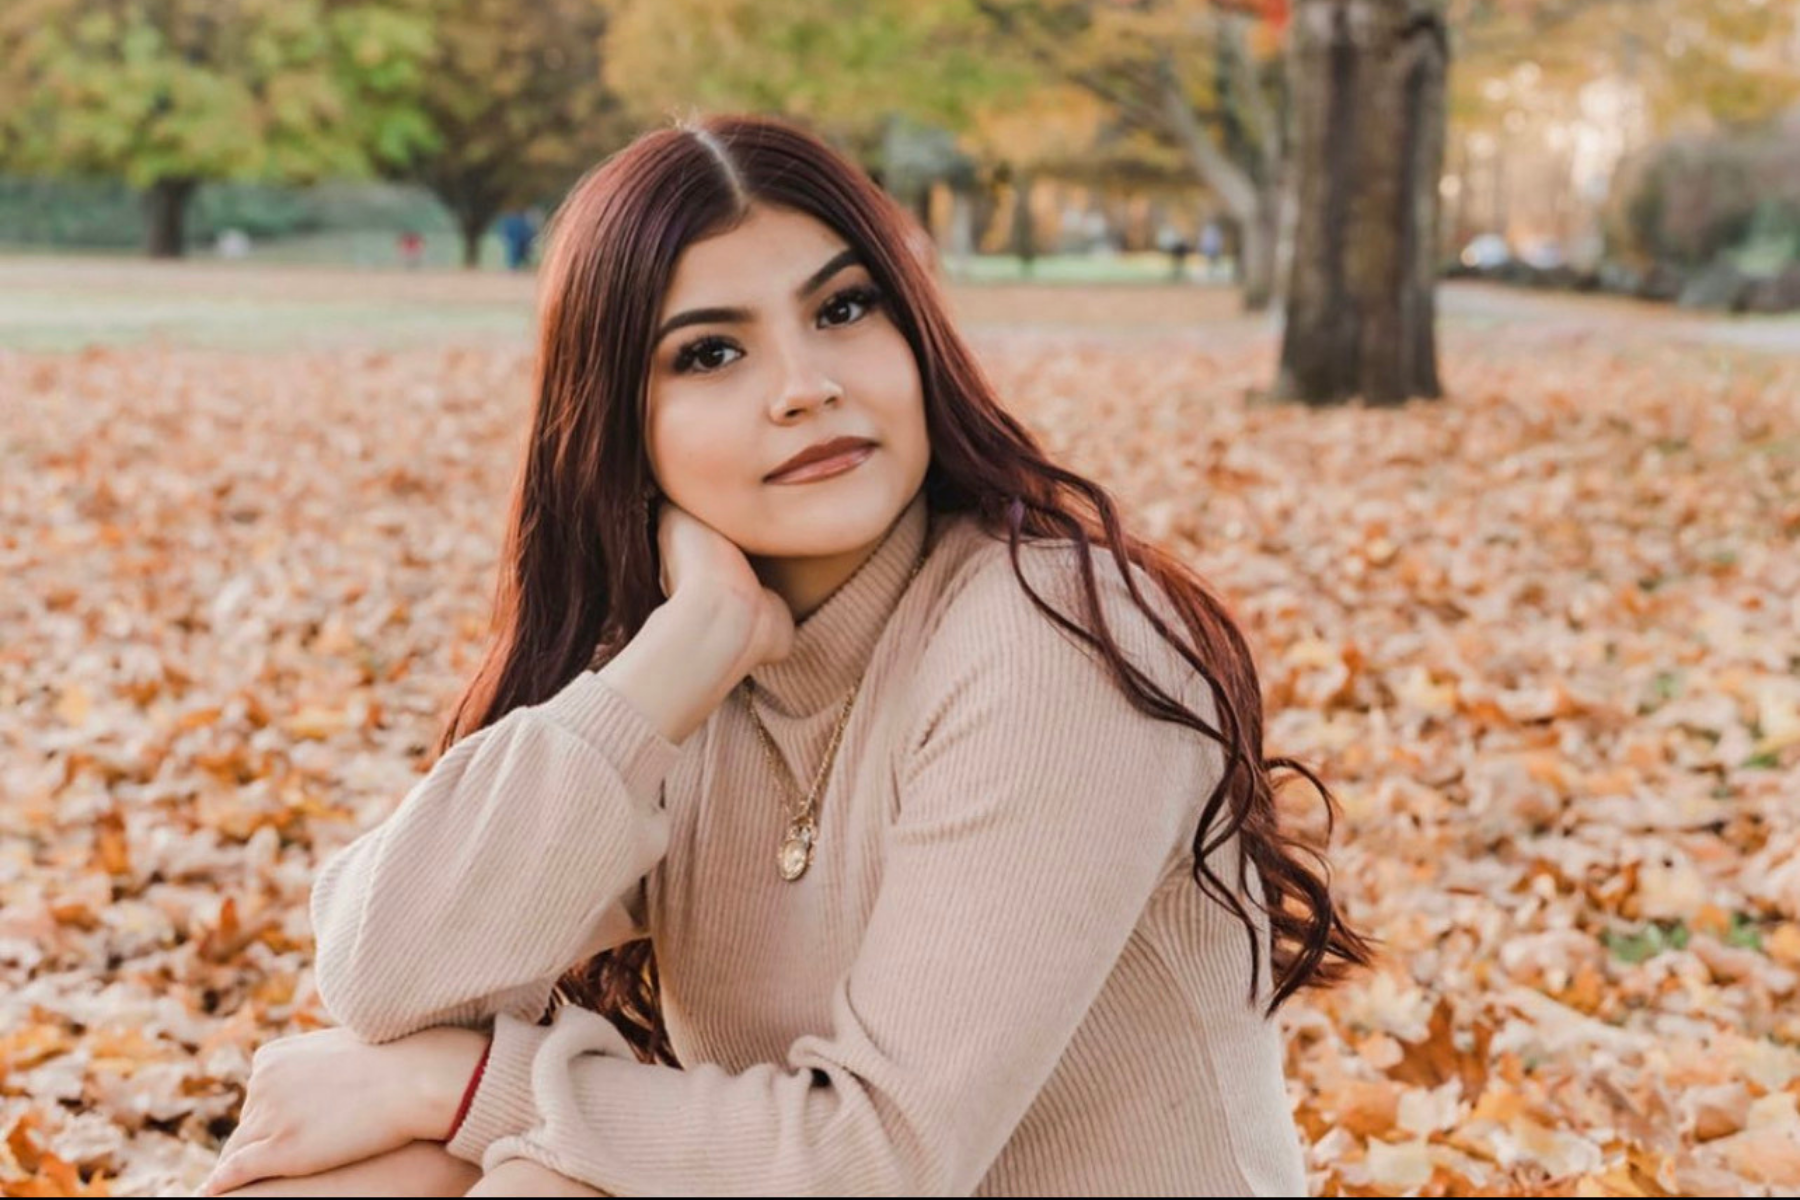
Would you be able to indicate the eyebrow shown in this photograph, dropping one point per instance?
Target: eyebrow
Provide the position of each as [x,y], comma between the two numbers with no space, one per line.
[710,316]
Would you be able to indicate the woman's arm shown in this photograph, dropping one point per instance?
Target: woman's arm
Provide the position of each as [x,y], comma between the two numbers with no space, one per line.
[507,863]
[1036,820]
[319,1101]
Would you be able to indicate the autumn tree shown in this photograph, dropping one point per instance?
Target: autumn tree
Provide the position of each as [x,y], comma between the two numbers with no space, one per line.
[169,94]
[515,96]
[1061,132]
[1369,81]
[1205,76]
[844,70]
[1726,62]
[1202,76]
[895,84]
[1624,74]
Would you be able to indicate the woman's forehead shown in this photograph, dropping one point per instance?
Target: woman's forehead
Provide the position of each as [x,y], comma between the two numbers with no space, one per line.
[768,255]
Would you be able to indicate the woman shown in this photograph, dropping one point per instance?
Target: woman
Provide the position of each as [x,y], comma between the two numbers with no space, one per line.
[938,799]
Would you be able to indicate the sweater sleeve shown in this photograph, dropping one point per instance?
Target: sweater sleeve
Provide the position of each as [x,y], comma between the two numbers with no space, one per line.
[511,860]
[1038,811]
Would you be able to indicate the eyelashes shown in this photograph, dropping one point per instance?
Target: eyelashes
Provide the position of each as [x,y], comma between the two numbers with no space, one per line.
[862,294]
[701,356]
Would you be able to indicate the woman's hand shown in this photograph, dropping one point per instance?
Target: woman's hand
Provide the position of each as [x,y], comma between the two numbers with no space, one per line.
[700,562]
[325,1099]
[718,624]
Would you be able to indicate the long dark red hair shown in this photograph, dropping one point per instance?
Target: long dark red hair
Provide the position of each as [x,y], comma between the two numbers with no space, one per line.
[579,575]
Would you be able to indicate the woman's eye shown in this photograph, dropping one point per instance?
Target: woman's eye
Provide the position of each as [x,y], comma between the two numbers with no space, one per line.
[704,355]
[847,306]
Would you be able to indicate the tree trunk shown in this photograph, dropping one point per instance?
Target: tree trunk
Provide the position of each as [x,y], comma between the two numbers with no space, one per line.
[1259,237]
[165,217]
[472,204]
[1369,107]
[1254,204]
[922,208]
[962,224]
[473,226]
[1287,219]
[1024,236]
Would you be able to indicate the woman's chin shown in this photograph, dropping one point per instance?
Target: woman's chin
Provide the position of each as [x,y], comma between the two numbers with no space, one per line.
[821,524]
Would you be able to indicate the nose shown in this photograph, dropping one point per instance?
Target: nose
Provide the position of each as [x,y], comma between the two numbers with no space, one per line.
[801,387]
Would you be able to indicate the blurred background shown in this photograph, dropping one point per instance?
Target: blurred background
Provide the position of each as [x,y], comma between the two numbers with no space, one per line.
[1453,341]
[1643,148]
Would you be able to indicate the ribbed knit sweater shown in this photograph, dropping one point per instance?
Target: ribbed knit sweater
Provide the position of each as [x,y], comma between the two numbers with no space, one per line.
[998,976]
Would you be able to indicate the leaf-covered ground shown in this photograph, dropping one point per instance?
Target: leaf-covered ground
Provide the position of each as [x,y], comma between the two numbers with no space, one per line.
[1543,639]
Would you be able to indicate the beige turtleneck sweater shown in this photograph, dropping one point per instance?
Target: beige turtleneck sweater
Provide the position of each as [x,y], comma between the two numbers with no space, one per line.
[998,976]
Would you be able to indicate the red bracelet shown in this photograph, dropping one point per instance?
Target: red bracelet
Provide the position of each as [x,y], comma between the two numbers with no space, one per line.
[462,1110]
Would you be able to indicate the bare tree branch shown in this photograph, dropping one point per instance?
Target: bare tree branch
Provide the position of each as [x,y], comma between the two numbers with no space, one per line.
[1230,181]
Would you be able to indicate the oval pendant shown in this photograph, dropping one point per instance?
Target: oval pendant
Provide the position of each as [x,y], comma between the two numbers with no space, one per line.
[796,852]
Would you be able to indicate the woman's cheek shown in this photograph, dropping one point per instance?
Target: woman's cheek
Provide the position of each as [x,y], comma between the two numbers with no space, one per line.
[698,447]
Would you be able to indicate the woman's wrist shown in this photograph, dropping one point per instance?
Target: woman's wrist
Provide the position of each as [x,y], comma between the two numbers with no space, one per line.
[469,1090]
[684,661]
[441,1066]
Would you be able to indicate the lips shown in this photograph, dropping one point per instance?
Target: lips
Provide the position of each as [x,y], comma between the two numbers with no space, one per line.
[820,452]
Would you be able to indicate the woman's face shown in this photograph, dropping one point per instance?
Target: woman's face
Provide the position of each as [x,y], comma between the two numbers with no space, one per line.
[772,339]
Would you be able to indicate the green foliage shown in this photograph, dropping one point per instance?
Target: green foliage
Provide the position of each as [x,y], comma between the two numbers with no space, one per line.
[515,95]
[109,214]
[1773,238]
[1744,932]
[293,90]
[1689,200]
[1653,939]
[70,212]
[1656,937]
[259,210]
[845,69]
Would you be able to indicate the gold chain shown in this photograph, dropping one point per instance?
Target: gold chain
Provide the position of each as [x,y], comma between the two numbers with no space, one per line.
[802,831]
[796,852]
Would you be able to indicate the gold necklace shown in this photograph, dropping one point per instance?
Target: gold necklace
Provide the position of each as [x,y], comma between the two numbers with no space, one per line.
[798,843]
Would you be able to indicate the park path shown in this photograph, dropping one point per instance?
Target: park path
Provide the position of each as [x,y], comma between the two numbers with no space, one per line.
[63,303]
[1475,305]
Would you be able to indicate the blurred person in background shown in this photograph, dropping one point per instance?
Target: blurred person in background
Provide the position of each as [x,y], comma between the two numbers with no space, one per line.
[1212,246]
[411,245]
[517,230]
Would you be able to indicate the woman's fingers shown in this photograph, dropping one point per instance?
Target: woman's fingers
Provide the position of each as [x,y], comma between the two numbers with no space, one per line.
[244,1133]
[234,1168]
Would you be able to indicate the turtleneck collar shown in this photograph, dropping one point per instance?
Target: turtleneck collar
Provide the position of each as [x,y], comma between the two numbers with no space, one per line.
[833,644]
